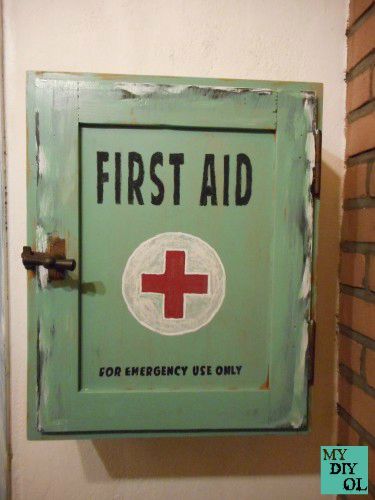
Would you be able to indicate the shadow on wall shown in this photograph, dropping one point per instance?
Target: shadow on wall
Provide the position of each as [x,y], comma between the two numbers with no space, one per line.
[249,455]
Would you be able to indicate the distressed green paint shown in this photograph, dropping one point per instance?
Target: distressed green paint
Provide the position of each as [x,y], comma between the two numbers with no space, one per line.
[66,338]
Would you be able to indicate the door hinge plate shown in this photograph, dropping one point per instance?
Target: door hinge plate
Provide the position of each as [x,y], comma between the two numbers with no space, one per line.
[318,164]
[311,352]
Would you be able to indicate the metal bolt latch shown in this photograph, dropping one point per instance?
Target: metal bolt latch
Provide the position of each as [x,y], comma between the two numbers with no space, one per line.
[31,259]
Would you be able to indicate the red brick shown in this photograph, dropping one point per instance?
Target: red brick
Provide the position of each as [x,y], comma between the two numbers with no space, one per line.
[357,8]
[357,314]
[358,91]
[350,353]
[371,276]
[346,434]
[361,41]
[358,404]
[352,269]
[372,181]
[355,181]
[360,135]
[359,225]
[370,367]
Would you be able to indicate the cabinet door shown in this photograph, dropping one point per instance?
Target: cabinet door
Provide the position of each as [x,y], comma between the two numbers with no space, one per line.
[187,207]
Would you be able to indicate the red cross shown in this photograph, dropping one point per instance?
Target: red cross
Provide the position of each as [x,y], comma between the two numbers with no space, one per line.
[174,283]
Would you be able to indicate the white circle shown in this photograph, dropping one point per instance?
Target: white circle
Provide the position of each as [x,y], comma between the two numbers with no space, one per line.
[150,308]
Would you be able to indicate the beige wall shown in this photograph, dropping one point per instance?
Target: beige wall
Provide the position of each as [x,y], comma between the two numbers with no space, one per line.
[257,39]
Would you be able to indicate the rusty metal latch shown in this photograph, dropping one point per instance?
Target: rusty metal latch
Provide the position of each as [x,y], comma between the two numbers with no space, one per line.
[318,164]
[31,260]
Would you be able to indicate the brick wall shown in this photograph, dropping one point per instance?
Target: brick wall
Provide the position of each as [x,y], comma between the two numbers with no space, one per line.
[356,398]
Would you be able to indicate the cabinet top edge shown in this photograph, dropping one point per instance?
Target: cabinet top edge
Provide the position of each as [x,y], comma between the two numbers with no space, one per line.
[256,85]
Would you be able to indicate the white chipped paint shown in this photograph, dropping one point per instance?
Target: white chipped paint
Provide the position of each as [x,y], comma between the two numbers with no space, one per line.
[306,280]
[41,239]
[148,308]
[43,164]
[310,156]
[46,202]
[147,89]
[41,242]
[296,417]
[45,83]
[142,89]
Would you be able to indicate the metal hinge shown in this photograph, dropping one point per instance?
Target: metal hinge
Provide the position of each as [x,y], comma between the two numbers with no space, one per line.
[311,352]
[315,188]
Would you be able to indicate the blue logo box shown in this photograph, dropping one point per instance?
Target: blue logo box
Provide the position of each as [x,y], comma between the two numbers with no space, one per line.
[344,470]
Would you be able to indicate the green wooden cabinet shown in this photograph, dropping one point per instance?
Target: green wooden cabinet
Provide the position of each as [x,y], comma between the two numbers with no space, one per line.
[187,207]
